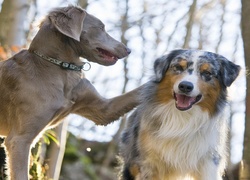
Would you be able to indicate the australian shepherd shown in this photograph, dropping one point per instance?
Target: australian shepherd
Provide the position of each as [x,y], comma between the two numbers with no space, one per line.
[180,130]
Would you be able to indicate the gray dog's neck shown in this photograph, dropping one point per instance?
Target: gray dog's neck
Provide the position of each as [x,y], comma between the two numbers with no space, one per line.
[60,46]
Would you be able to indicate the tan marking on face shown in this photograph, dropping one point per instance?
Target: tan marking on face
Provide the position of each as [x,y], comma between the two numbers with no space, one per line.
[210,94]
[205,67]
[183,63]
[165,88]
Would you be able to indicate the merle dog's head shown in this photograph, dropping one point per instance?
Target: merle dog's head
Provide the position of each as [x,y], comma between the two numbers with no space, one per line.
[194,77]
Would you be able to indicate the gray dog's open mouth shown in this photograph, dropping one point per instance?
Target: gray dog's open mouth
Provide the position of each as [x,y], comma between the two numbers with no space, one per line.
[106,55]
[184,102]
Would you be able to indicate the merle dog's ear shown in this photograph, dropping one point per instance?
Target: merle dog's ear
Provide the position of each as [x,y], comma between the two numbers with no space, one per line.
[69,22]
[161,64]
[229,71]
[160,67]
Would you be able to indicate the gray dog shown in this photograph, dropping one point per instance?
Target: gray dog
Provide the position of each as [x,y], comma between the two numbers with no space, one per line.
[42,85]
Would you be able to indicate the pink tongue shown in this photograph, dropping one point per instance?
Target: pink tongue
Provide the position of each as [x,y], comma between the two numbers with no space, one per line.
[183,101]
[108,55]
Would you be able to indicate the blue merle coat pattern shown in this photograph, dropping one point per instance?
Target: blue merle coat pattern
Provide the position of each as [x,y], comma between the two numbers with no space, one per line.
[179,131]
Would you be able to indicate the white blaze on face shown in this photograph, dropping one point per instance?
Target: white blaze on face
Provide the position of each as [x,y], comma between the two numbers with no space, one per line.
[192,76]
[185,100]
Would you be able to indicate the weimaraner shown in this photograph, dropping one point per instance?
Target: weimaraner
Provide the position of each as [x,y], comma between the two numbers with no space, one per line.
[43,84]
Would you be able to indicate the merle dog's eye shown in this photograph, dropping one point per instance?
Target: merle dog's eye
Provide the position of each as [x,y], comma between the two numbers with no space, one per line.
[177,68]
[206,75]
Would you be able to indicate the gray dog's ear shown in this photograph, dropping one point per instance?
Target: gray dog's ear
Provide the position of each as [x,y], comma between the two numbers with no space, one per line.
[161,64]
[229,71]
[69,22]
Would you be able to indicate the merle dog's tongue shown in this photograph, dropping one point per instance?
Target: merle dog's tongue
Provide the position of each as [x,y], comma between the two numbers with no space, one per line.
[184,102]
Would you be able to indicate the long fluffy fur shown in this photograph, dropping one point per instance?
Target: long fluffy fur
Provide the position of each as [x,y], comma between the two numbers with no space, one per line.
[166,143]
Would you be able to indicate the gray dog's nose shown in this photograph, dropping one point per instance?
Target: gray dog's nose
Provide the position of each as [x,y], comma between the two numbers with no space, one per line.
[128,50]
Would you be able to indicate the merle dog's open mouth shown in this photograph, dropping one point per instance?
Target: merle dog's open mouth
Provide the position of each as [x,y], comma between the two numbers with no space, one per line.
[184,102]
[107,55]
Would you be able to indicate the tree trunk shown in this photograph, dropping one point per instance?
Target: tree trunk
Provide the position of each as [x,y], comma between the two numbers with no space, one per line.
[12,18]
[245,22]
[189,24]
[12,33]
[56,152]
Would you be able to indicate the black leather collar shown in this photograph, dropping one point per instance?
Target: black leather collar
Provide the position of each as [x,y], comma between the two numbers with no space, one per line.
[65,65]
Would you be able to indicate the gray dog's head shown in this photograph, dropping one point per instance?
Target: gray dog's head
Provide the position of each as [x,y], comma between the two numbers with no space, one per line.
[86,34]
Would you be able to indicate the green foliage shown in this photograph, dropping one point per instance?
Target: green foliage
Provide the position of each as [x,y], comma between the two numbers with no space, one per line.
[50,135]
[71,154]
[89,167]
[74,153]
[38,169]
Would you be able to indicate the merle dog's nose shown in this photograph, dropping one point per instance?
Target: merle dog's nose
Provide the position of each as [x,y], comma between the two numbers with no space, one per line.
[186,86]
[128,50]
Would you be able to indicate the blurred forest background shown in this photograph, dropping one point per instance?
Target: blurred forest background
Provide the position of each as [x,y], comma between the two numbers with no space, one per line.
[150,29]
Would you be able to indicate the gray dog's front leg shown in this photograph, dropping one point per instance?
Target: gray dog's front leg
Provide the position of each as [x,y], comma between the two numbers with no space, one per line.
[90,104]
